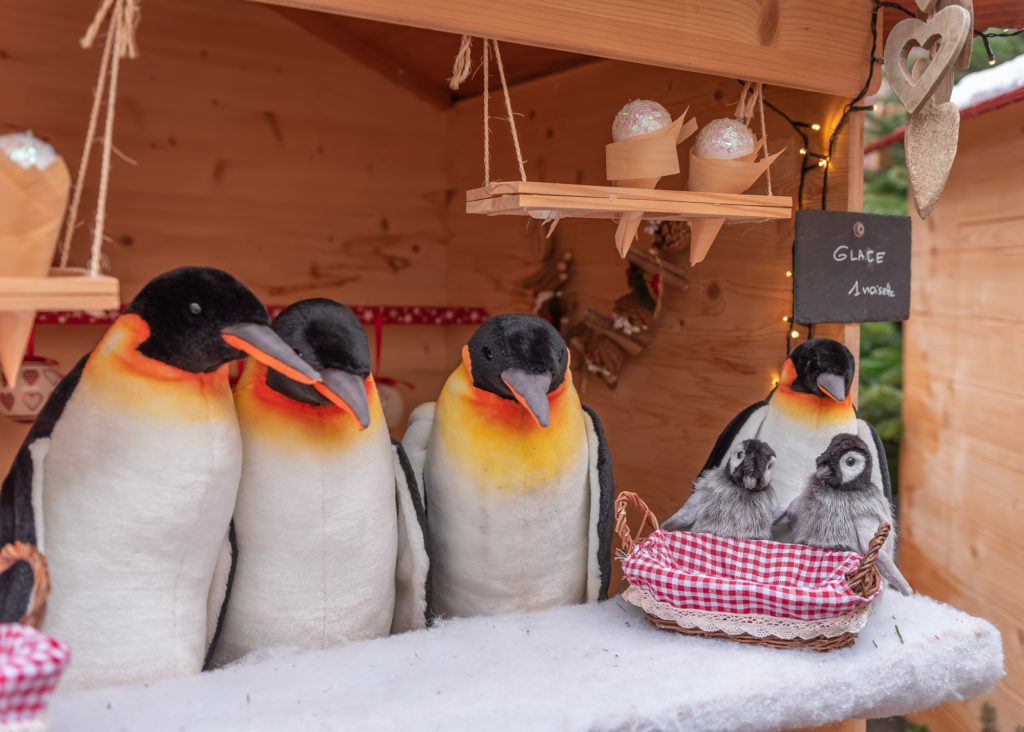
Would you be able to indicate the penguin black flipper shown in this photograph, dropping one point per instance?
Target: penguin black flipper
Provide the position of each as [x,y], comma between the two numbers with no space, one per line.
[220,593]
[412,569]
[728,436]
[18,505]
[602,502]
[879,462]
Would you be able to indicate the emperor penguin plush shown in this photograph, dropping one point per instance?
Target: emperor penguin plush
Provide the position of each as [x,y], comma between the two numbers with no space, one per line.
[517,477]
[811,404]
[329,519]
[128,478]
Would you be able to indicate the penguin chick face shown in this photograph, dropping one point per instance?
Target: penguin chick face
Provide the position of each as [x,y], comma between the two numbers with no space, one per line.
[186,309]
[845,465]
[329,337]
[518,357]
[750,465]
[823,367]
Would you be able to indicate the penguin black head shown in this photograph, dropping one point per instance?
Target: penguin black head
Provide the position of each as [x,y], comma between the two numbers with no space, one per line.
[750,465]
[845,465]
[329,337]
[518,357]
[824,368]
[201,318]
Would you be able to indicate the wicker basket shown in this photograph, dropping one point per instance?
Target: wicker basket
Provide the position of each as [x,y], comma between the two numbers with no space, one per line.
[31,662]
[837,632]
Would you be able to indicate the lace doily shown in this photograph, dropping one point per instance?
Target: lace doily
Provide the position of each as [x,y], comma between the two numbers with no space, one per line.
[759,626]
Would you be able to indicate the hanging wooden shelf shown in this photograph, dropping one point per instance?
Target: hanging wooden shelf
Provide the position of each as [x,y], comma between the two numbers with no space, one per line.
[563,200]
[67,288]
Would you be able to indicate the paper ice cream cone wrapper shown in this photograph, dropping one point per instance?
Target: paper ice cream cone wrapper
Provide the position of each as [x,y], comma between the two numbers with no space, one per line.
[32,204]
[15,329]
[648,156]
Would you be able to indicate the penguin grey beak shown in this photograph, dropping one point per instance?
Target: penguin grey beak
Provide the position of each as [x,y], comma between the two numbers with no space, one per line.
[531,390]
[266,346]
[348,391]
[749,482]
[833,385]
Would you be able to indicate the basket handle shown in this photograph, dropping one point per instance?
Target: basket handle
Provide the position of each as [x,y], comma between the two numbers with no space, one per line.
[865,580]
[19,551]
[622,501]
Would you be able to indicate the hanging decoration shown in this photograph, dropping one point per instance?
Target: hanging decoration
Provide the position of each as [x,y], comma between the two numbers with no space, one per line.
[645,153]
[933,122]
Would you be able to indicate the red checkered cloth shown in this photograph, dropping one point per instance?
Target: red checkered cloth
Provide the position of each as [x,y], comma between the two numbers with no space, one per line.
[722,575]
[30,667]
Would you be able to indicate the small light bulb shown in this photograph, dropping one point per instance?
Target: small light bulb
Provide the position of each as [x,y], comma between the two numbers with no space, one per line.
[794,334]
[789,273]
[815,127]
[775,382]
[823,162]
[785,318]
[874,107]
[803,151]
[992,62]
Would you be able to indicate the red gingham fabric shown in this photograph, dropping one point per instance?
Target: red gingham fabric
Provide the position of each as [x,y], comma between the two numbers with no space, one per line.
[30,667]
[717,574]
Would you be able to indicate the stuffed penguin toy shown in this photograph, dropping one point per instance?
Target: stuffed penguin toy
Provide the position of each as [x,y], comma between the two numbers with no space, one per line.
[811,404]
[329,520]
[128,478]
[736,500]
[517,477]
[841,509]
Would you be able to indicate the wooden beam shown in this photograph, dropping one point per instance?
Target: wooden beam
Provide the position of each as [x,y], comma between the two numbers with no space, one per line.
[332,30]
[805,44]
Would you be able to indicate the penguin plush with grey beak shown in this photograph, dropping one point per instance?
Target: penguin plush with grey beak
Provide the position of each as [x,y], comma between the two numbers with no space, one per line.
[736,500]
[517,477]
[811,404]
[128,477]
[841,509]
[319,471]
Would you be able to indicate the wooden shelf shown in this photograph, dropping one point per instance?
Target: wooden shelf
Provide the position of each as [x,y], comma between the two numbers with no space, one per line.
[561,200]
[63,289]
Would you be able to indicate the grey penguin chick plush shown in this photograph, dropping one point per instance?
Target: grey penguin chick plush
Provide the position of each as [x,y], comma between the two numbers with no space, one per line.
[841,508]
[735,500]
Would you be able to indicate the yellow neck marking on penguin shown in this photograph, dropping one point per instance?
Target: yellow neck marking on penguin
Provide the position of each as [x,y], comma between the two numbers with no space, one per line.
[497,442]
[809,408]
[296,426]
[117,373]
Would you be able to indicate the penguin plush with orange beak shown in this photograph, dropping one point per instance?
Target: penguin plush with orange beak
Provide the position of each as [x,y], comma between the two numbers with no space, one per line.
[517,477]
[128,478]
[811,404]
[329,521]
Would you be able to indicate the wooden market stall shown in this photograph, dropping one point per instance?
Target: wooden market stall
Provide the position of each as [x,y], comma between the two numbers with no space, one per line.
[324,155]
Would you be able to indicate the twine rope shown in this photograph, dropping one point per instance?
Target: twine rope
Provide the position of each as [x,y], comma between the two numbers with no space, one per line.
[463,63]
[764,134]
[123,21]
[508,110]
[487,117]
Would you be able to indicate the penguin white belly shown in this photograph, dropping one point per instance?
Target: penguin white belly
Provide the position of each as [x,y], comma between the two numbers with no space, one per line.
[797,442]
[137,496]
[501,547]
[317,534]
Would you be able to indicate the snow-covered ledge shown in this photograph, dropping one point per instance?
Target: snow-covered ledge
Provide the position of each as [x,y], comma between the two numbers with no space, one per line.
[574,668]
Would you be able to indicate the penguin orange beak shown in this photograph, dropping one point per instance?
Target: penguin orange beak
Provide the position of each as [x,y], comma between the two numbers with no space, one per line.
[833,385]
[530,390]
[347,391]
[266,346]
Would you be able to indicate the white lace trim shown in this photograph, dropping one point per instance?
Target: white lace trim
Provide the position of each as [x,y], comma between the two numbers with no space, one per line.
[759,626]
[36,724]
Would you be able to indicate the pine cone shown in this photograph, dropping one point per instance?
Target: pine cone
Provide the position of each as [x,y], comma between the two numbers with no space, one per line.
[604,357]
[671,235]
[629,316]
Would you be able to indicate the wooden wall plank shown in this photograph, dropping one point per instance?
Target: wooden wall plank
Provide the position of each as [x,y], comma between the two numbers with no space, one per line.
[796,43]
[962,469]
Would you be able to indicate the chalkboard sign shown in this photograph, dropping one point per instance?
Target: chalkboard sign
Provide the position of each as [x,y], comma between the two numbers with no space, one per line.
[850,267]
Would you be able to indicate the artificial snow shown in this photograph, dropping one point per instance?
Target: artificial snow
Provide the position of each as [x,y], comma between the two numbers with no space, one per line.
[587,667]
[989,83]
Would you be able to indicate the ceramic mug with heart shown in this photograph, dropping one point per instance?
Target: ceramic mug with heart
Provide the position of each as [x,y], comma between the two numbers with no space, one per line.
[37,378]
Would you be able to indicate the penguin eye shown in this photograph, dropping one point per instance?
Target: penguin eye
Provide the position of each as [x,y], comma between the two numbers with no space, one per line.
[488,354]
[195,308]
[851,461]
[739,454]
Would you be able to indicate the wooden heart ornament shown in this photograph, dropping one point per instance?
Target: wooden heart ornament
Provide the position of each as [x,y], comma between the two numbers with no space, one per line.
[963,59]
[943,35]
[931,147]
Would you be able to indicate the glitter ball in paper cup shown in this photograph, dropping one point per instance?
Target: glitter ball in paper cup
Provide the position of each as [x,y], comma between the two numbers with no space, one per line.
[724,139]
[27,151]
[638,118]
